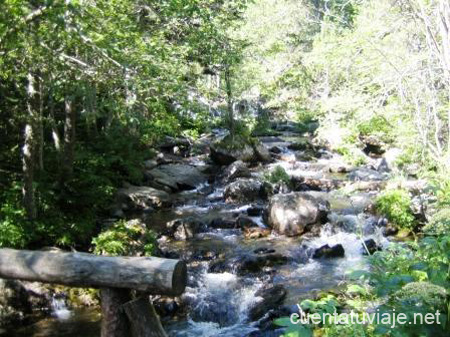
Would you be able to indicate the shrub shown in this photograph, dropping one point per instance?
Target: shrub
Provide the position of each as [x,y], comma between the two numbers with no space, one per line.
[377,125]
[423,296]
[125,238]
[439,223]
[12,223]
[352,155]
[277,175]
[396,206]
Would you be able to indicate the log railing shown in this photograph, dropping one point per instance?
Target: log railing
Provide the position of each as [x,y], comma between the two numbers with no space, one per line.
[115,276]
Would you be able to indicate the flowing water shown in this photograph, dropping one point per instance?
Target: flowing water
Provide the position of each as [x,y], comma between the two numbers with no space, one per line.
[218,301]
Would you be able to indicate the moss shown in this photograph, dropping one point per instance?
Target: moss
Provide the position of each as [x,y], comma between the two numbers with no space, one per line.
[82,297]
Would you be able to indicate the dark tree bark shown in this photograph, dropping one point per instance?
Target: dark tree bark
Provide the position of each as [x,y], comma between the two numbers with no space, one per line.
[69,138]
[143,318]
[114,320]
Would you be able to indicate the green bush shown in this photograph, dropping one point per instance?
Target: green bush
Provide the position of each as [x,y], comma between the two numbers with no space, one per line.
[377,125]
[352,155]
[396,206]
[125,238]
[277,175]
[439,223]
[13,231]
[423,296]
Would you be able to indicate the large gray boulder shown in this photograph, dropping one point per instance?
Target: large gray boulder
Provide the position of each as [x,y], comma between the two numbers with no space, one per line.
[228,151]
[271,298]
[291,214]
[178,177]
[238,169]
[262,153]
[142,197]
[225,156]
[184,229]
[366,174]
[245,190]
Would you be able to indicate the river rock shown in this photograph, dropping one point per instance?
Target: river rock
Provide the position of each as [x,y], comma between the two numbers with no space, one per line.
[272,297]
[389,160]
[142,197]
[302,144]
[223,156]
[290,214]
[222,153]
[264,250]
[150,164]
[262,153]
[255,210]
[275,149]
[222,223]
[245,222]
[328,252]
[311,184]
[365,174]
[184,229]
[256,263]
[248,264]
[253,233]
[238,169]
[169,143]
[245,190]
[374,147]
[178,177]
[370,247]
[14,302]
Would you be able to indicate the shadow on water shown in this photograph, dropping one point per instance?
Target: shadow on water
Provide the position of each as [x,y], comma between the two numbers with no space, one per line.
[82,322]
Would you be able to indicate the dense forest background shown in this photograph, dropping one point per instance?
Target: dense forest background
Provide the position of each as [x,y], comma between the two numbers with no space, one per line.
[89,88]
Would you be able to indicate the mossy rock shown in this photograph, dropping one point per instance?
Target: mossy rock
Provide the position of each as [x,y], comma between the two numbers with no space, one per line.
[231,149]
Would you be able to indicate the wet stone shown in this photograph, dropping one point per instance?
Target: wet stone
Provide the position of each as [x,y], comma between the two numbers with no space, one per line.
[329,252]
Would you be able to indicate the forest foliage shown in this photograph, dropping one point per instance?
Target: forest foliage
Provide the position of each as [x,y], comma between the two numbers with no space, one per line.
[88,87]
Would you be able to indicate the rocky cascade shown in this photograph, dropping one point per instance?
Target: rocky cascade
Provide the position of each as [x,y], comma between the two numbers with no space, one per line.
[254,244]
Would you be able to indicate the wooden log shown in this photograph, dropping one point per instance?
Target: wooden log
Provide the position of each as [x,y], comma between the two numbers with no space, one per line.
[149,274]
[143,318]
[114,320]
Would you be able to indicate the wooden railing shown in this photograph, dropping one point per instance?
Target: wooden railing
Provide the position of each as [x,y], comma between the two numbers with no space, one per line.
[115,276]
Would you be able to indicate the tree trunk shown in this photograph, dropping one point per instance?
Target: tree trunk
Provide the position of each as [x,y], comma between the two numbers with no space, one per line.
[143,318]
[149,274]
[229,90]
[114,320]
[69,138]
[29,149]
[55,132]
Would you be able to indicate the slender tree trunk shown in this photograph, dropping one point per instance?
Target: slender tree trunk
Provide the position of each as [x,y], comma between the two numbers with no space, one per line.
[444,9]
[229,91]
[29,148]
[40,128]
[69,138]
[55,132]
